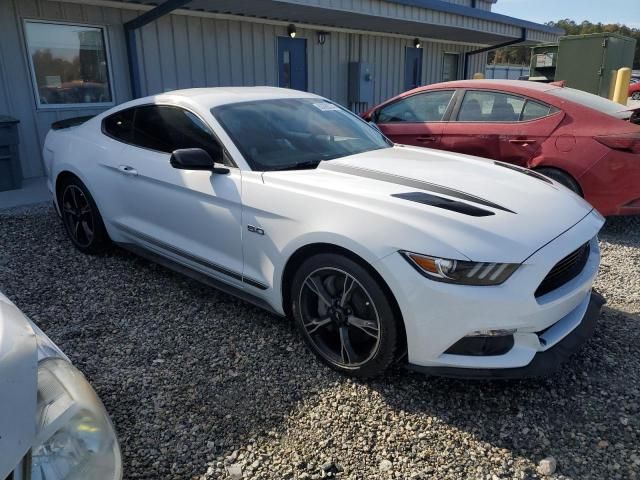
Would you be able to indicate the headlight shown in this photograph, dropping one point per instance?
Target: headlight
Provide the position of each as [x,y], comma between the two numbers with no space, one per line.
[460,271]
[75,438]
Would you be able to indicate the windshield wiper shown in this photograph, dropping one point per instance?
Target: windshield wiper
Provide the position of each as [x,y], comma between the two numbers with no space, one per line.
[310,165]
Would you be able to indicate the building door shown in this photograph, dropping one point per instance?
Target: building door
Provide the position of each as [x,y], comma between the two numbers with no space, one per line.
[292,63]
[449,67]
[412,68]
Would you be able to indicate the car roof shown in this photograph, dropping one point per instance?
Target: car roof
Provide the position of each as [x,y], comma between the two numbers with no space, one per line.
[214,96]
[497,84]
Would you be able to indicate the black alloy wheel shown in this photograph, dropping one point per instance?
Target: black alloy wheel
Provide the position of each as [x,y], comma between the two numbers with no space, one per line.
[344,316]
[77,215]
[81,218]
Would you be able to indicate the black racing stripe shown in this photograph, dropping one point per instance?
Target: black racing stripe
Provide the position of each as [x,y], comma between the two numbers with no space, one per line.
[410,182]
[193,258]
[444,203]
[526,171]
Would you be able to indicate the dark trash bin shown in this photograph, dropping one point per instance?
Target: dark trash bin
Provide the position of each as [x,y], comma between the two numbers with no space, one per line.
[10,170]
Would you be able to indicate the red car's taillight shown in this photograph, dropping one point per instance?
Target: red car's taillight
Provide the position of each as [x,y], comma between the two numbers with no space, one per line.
[628,142]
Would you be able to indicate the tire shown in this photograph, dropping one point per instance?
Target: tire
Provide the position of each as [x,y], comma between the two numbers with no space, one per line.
[81,218]
[355,334]
[562,178]
[635,96]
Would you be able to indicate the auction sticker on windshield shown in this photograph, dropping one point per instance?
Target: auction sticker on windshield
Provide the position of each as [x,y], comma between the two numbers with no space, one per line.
[326,106]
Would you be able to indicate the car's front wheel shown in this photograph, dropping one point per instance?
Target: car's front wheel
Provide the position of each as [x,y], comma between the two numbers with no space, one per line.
[344,315]
[81,218]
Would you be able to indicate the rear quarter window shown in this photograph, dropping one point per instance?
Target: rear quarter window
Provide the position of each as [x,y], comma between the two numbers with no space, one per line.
[119,125]
[533,110]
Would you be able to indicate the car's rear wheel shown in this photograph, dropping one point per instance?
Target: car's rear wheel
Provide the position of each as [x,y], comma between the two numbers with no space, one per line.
[344,315]
[562,178]
[81,218]
[635,96]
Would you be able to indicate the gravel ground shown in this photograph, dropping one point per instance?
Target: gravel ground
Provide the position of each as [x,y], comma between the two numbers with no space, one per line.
[201,385]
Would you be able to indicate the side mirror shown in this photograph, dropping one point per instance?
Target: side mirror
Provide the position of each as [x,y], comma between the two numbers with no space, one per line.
[195,159]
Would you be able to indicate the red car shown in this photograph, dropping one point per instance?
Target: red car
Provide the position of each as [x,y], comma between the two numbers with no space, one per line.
[587,143]
[634,89]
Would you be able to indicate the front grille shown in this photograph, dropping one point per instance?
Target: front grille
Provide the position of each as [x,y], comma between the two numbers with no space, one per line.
[565,270]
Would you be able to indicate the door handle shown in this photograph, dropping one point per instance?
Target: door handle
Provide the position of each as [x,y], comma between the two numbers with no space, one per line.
[426,139]
[522,141]
[127,170]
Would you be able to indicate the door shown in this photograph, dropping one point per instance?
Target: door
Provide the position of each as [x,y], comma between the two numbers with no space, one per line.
[412,68]
[191,216]
[500,126]
[292,63]
[449,67]
[417,119]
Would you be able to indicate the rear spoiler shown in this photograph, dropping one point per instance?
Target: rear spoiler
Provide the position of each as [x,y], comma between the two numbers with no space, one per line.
[70,122]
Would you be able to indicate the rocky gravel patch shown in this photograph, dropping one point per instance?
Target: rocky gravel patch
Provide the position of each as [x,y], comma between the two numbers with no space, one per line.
[203,386]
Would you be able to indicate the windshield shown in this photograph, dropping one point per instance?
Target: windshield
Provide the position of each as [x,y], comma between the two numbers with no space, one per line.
[294,133]
[590,100]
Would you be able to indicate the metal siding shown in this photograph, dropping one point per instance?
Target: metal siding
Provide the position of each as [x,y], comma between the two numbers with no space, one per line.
[191,51]
[17,95]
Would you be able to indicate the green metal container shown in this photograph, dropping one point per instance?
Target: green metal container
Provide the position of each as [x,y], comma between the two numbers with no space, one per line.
[544,60]
[589,62]
[10,170]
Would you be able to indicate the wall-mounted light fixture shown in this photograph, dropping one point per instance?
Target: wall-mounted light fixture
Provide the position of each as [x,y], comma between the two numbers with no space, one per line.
[322,37]
[291,30]
[416,42]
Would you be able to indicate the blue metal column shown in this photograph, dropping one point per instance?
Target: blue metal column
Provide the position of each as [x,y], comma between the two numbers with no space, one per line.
[130,38]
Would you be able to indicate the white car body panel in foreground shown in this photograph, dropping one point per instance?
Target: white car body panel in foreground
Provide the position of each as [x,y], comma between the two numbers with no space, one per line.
[23,349]
[201,220]
[18,386]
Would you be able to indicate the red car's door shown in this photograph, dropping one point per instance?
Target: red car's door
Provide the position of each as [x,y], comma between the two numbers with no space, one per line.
[416,119]
[501,126]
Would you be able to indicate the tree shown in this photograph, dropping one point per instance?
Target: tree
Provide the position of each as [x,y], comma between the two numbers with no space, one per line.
[521,55]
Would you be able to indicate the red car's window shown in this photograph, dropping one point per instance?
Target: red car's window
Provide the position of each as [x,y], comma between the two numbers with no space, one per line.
[533,110]
[419,108]
[490,107]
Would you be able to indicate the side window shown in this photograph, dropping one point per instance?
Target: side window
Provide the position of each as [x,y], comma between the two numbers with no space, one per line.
[119,125]
[490,107]
[150,129]
[422,107]
[167,128]
[533,110]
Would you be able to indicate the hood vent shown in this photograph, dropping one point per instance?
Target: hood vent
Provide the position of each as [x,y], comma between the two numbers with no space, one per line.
[445,203]
[410,183]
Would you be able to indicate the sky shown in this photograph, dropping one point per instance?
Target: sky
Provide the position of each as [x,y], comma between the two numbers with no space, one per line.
[605,11]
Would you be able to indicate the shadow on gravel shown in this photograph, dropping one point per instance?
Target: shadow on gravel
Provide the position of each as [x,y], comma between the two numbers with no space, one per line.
[587,415]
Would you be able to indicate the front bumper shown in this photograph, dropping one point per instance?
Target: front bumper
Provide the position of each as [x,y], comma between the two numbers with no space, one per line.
[544,363]
[438,315]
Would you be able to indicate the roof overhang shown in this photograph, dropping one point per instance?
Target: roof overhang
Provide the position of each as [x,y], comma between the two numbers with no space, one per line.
[435,19]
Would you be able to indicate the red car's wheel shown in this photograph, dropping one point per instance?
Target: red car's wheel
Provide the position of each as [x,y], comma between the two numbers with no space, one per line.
[562,178]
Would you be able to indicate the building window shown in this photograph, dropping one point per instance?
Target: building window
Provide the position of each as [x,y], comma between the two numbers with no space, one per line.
[69,64]
[449,67]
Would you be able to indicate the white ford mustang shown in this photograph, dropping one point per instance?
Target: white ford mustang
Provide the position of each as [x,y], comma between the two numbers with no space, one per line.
[453,264]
